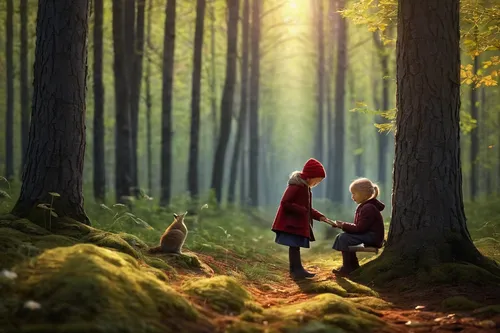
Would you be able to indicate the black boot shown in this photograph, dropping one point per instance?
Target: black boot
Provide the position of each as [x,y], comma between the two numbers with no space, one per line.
[346,263]
[297,271]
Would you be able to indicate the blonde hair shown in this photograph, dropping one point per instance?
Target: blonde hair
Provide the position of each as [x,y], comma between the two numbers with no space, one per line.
[364,185]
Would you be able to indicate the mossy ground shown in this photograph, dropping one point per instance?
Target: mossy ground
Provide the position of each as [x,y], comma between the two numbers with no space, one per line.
[231,278]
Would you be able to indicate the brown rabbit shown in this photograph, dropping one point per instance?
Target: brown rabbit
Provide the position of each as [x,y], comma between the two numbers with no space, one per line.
[173,238]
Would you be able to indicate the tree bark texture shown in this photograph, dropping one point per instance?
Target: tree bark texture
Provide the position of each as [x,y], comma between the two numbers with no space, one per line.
[213,75]
[253,168]
[167,87]
[339,121]
[25,84]
[242,119]
[98,158]
[194,139]
[135,87]
[227,99]
[474,137]
[320,76]
[123,166]
[149,103]
[9,119]
[333,19]
[428,221]
[56,147]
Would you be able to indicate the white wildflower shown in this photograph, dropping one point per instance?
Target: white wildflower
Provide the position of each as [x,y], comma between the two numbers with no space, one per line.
[32,305]
[9,274]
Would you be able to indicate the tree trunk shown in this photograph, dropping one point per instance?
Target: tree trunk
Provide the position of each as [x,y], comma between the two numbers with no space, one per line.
[338,171]
[25,88]
[57,133]
[166,127]
[98,160]
[320,76]
[242,120]
[333,19]
[149,103]
[474,137]
[123,167]
[227,99]
[428,221]
[383,138]
[213,75]
[135,87]
[254,105]
[488,180]
[9,121]
[193,186]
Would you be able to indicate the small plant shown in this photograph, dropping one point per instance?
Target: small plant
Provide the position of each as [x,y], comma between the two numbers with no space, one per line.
[50,207]
[121,214]
[5,194]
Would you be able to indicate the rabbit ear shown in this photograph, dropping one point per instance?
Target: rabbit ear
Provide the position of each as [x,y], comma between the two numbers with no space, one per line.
[185,213]
[175,215]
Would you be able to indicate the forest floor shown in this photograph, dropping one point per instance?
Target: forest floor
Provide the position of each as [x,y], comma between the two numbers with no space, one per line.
[231,278]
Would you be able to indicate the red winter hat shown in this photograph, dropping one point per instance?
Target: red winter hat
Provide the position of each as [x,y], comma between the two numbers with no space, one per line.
[313,169]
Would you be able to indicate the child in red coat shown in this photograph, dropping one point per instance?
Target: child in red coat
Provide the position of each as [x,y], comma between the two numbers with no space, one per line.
[293,221]
[367,228]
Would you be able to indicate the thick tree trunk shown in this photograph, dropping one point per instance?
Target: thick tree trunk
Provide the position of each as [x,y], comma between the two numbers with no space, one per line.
[474,137]
[149,103]
[194,142]
[135,88]
[25,85]
[98,160]
[320,76]
[253,168]
[242,120]
[57,133]
[428,221]
[123,166]
[9,120]
[227,99]
[338,172]
[166,127]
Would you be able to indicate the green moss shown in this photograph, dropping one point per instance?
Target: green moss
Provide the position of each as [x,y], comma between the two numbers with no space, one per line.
[160,264]
[85,288]
[51,241]
[489,310]
[223,293]
[187,261]
[252,316]
[355,288]
[326,308]
[459,303]
[372,302]
[22,225]
[110,240]
[320,287]
[133,241]
[316,327]
[456,273]
[244,327]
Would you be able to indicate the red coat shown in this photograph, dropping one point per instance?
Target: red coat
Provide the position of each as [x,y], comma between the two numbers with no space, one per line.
[295,212]
[368,219]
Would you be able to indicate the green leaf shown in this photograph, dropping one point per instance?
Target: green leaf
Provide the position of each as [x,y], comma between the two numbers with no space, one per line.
[54,194]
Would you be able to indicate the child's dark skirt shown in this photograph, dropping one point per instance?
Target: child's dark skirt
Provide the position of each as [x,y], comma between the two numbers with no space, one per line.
[284,238]
[344,240]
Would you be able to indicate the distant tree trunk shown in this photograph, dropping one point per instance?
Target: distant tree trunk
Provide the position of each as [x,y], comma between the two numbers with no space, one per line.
[227,99]
[195,101]
[55,157]
[254,105]
[25,86]
[356,130]
[166,127]
[98,160]
[485,142]
[333,18]
[123,167]
[338,172]
[135,87]
[213,75]
[242,120]
[383,138]
[474,137]
[320,76]
[428,223]
[149,102]
[9,121]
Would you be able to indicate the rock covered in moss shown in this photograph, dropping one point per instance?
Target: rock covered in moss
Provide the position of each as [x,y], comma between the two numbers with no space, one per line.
[332,311]
[223,293]
[459,303]
[85,288]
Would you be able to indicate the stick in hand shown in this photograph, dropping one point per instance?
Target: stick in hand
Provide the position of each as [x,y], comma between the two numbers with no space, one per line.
[331,222]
